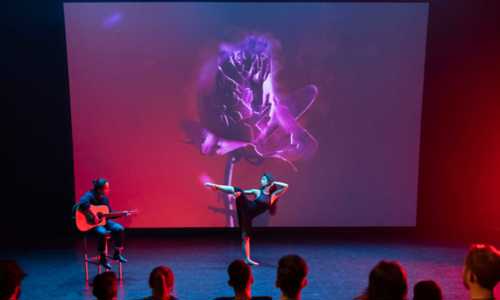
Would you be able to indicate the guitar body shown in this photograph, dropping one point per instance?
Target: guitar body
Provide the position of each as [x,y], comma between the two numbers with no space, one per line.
[84,224]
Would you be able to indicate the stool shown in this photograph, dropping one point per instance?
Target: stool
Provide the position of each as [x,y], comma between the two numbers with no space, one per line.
[95,259]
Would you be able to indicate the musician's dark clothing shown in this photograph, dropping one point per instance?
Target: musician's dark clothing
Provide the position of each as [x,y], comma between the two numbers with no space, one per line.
[115,229]
[91,197]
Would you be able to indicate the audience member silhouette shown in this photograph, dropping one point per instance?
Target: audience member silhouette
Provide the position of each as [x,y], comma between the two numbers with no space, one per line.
[481,271]
[11,276]
[161,282]
[241,280]
[427,290]
[291,277]
[387,281]
[105,286]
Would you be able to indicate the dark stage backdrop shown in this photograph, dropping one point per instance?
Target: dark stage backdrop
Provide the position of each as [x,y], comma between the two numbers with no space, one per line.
[136,74]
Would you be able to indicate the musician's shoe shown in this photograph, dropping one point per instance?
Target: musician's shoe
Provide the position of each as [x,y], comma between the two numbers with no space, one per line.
[104,262]
[119,257]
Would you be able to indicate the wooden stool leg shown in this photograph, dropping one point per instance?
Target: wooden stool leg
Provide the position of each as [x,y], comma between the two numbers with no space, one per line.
[86,266]
[120,271]
[106,248]
[85,259]
[105,253]
[97,260]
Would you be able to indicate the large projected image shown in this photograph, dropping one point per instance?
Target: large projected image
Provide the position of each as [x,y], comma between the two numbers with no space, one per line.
[325,96]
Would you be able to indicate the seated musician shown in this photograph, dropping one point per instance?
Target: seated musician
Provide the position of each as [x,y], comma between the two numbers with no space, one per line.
[98,195]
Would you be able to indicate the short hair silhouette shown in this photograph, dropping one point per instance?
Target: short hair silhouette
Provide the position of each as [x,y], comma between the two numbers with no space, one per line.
[104,286]
[239,274]
[292,271]
[483,261]
[387,280]
[427,290]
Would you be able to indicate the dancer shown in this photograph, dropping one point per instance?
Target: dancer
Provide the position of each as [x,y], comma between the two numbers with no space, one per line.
[265,198]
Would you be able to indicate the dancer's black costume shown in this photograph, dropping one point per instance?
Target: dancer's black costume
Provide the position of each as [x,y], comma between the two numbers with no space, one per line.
[247,210]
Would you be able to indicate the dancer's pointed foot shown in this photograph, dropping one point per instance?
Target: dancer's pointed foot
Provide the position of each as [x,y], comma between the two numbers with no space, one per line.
[251,262]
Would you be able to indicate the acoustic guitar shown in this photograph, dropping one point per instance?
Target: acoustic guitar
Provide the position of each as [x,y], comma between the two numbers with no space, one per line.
[84,221]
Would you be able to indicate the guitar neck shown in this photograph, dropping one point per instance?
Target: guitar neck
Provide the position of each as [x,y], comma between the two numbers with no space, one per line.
[115,214]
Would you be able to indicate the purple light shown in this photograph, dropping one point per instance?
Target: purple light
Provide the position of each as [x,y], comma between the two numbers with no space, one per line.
[112,20]
[204,178]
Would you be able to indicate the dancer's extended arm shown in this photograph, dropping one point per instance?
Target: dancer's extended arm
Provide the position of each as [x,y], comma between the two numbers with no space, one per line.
[219,187]
[230,189]
[281,189]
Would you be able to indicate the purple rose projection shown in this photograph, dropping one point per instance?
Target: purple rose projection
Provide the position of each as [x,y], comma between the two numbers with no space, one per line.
[241,115]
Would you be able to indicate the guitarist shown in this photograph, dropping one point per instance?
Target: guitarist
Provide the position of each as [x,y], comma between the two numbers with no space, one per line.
[98,195]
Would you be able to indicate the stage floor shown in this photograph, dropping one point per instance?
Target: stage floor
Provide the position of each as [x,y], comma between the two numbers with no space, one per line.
[339,267]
